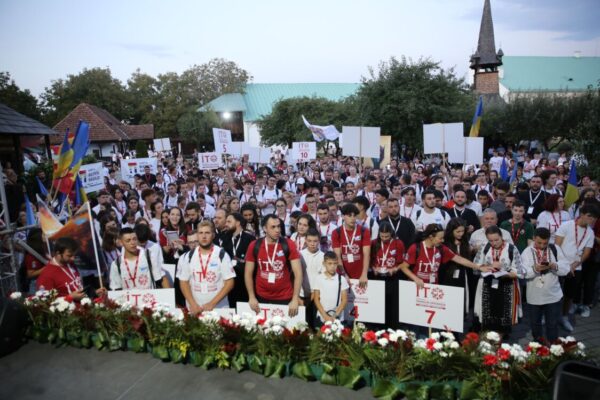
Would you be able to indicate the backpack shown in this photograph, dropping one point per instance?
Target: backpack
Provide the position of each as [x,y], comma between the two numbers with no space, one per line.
[444,213]
[265,189]
[118,262]
[191,254]
[511,250]
[282,242]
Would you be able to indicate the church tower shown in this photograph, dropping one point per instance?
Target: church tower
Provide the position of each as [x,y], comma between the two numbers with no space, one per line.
[485,61]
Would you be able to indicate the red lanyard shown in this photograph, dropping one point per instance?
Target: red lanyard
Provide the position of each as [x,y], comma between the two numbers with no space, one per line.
[134,275]
[384,253]
[517,234]
[326,233]
[577,242]
[300,242]
[496,254]
[429,260]
[541,256]
[556,225]
[204,268]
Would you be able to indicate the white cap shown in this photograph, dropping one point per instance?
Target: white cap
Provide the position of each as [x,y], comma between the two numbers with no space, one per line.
[300,181]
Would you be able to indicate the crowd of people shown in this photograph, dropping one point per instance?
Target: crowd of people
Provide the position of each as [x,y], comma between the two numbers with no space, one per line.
[297,234]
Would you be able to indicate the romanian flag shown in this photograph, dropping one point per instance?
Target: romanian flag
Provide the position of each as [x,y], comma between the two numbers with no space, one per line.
[78,149]
[571,194]
[477,119]
[80,195]
[65,158]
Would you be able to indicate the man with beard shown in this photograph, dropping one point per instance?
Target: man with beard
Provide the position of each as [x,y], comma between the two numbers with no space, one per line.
[192,216]
[324,227]
[207,276]
[460,209]
[404,227]
[236,246]
[534,199]
[221,232]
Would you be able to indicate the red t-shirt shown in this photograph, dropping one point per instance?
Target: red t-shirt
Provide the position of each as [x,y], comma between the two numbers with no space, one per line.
[389,255]
[31,263]
[64,279]
[352,242]
[428,264]
[162,239]
[273,278]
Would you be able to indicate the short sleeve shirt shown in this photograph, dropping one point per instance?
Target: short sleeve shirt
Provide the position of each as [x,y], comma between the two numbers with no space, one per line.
[428,263]
[273,276]
[351,242]
[389,255]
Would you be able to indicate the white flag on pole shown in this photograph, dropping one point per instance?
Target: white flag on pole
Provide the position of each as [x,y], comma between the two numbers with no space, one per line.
[320,133]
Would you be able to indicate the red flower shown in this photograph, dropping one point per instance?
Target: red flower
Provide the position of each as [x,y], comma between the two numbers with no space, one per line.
[346,332]
[429,344]
[490,360]
[261,321]
[345,363]
[543,351]
[69,298]
[472,337]
[324,328]
[369,336]
[98,300]
[503,354]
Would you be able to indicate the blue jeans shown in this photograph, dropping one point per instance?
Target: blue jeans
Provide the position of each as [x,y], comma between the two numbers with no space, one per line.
[551,313]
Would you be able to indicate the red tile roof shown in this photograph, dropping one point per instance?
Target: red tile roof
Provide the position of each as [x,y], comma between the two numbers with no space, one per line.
[104,127]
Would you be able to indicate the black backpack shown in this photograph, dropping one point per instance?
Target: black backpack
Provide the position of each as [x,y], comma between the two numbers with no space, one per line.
[191,254]
[264,190]
[511,250]
[444,213]
[154,283]
[284,245]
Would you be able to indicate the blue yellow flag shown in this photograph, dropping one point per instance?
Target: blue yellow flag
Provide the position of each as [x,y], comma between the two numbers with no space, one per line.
[81,143]
[504,170]
[43,190]
[29,211]
[80,195]
[477,119]
[571,194]
[513,178]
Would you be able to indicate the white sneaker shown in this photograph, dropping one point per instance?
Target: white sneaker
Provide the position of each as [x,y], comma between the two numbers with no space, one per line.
[573,309]
[585,311]
[565,323]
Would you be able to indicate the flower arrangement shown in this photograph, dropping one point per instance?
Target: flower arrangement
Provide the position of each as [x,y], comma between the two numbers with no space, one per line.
[393,362]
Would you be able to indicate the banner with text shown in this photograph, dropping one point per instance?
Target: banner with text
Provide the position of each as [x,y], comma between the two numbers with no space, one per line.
[141,297]
[222,138]
[135,166]
[274,310]
[304,151]
[91,177]
[369,302]
[210,160]
[434,306]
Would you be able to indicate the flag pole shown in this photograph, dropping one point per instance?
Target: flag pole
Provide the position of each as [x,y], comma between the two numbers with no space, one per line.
[93,231]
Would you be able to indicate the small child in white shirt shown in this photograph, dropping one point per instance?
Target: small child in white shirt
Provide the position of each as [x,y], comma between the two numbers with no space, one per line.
[330,291]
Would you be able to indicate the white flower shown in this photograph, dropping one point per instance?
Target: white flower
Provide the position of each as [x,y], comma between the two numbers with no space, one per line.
[557,350]
[393,337]
[492,336]
[52,309]
[443,354]
[454,345]
[302,326]
[86,301]
[438,346]
[485,348]
[360,326]
[276,320]
[16,295]
[277,329]
[534,345]
[448,335]
[580,346]
[504,365]
[567,339]
[383,342]
[435,336]
[403,334]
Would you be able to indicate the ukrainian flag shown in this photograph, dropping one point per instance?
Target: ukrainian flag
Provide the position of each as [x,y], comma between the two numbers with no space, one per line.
[477,118]
[571,194]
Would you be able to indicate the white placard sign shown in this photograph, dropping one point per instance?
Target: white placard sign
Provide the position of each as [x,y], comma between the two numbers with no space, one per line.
[272,310]
[473,150]
[91,177]
[265,155]
[141,297]
[435,306]
[135,166]
[235,149]
[370,301]
[304,151]
[444,138]
[163,144]
[227,313]
[252,152]
[361,141]
[209,160]
[222,138]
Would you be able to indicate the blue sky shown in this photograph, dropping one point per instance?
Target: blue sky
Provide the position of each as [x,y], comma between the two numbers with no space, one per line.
[277,41]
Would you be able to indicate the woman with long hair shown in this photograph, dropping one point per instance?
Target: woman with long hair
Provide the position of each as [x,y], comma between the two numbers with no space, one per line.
[250,214]
[304,223]
[585,194]
[173,235]
[110,247]
[553,215]
[215,192]
[133,204]
[156,210]
[452,273]
[282,213]
[164,219]
[233,205]
[119,201]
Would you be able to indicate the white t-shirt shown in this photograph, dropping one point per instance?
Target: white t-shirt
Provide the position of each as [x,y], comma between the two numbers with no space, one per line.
[479,239]
[436,217]
[206,284]
[326,230]
[328,291]
[496,163]
[371,224]
[209,211]
[314,267]
[410,212]
[268,194]
[552,221]
[574,250]
[135,274]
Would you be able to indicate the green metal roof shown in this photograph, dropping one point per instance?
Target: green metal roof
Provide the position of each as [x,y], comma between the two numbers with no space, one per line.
[525,74]
[259,98]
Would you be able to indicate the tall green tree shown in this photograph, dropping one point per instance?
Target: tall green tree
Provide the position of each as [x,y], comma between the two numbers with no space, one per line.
[94,86]
[142,90]
[196,127]
[402,95]
[19,100]
[284,125]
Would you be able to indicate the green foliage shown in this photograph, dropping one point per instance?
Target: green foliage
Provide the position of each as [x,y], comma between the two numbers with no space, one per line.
[403,95]
[94,86]
[19,100]
[89,159]
[196,127]
[284,125]
[141,149]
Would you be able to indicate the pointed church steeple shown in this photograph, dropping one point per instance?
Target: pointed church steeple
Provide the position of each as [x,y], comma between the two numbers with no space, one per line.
[485,61]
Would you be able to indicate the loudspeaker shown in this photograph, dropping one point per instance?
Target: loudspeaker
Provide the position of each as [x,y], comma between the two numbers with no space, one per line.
[13,322]
[576,380]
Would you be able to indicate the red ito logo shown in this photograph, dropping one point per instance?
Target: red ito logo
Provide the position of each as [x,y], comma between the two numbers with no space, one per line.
[277,312]
[437,293]
[360,291]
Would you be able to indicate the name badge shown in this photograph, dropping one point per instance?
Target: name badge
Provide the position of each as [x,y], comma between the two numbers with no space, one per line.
[234,262]
[432,278]
[539,284]
[495,283]
[456,274]
[530,210]
[271,278]
[350,257]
